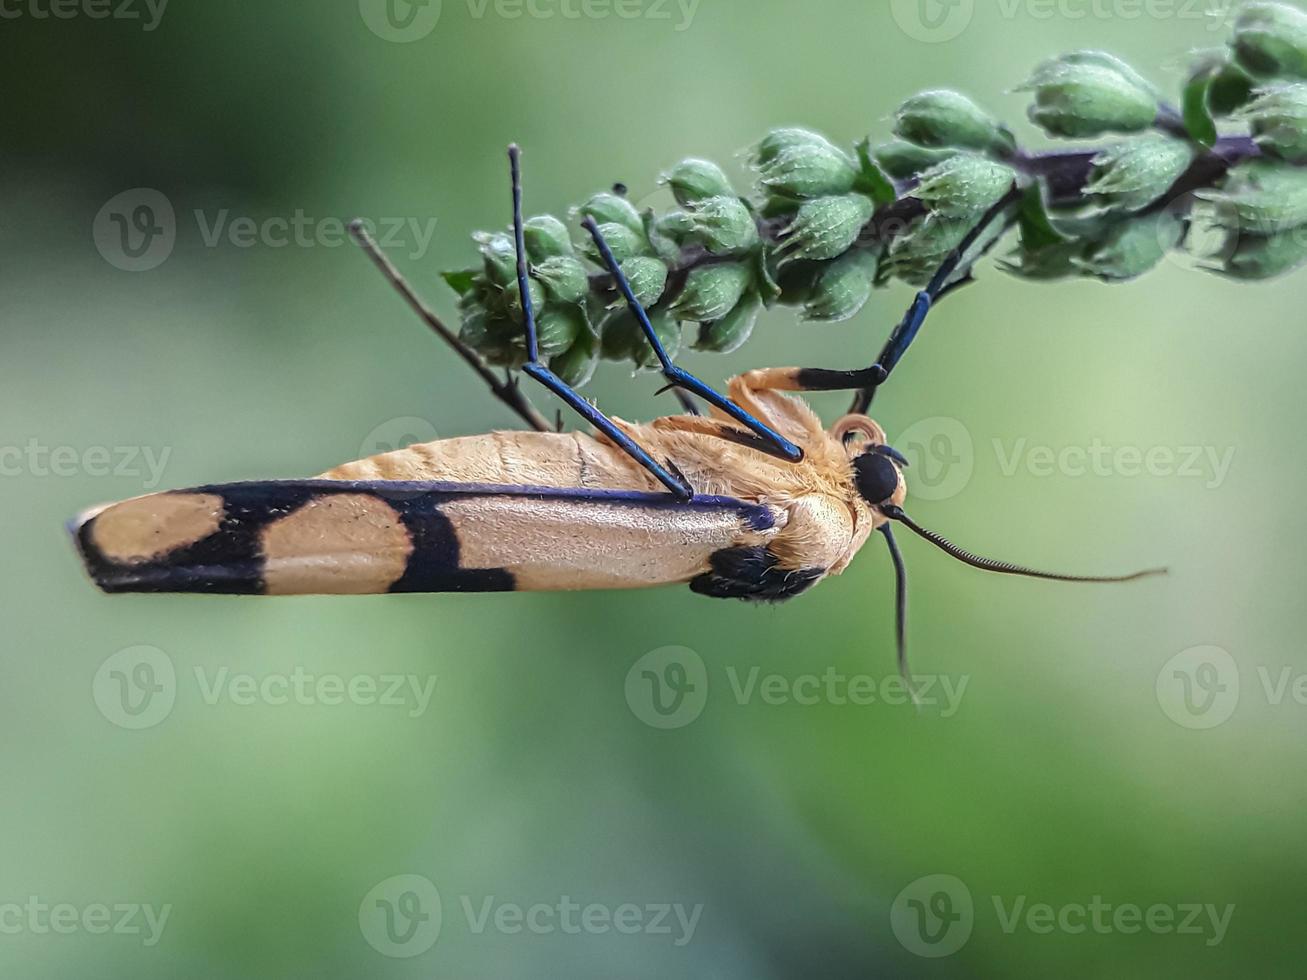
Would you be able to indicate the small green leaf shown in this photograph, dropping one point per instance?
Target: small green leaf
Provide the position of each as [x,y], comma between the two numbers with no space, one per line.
[462,281]
[871,180]
[1198,118]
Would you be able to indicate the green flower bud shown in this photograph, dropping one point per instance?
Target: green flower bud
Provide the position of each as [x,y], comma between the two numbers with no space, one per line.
[1043,263]
[500,256]
[1262,197]
[1088,93]
[577,365]
[1278,117]
[502,343]
[513,300]
[712,291]
[648,279]
[1270,40]
[795,163]
[903,161]
[557,328]
[943,118]
[964,186]
[1256,257]
[730,333]
[623,339]
[475,330]
[695,180]
[722,225]
[1133,174]
[843,287]
[622,242]
[611,209]
[827,227]
[1132,247]
[915,255]
[546,237]
[564,277]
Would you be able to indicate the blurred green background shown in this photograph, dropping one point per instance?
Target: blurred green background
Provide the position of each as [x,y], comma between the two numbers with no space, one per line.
[278,832]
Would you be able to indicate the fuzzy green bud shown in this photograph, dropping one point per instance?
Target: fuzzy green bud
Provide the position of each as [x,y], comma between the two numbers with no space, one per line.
[1087,94]
[712,291]
[696,180]
[1270,40]
[622,241]
[622,338]
[1132,247]
[576,366]
[612,209]
[964,186]
[500,256]
[797,164]
[1262,197]
[916,254]
[564,277]
[903,160]
[546,237]
[474,329]
[943,118]
[648,278]
[827,227]
[558,327]
[1134,173]
[722,225]
[1256,257]
[513,299]
[1278,117]
[843,287]
[732,331]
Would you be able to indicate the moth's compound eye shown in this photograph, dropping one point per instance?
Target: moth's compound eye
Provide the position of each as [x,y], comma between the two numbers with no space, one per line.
[876,476]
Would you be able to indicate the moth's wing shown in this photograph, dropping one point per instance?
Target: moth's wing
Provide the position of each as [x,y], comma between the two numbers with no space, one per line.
[336,537]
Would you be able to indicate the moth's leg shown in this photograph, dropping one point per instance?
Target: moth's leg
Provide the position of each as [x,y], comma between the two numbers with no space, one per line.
[665,475]
[717,428]
[952,273]
[775,443]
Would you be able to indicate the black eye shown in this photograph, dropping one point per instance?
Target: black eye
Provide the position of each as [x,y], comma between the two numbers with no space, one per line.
[876,476]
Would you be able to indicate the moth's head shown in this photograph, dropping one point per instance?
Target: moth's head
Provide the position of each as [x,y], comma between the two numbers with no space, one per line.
[877,467]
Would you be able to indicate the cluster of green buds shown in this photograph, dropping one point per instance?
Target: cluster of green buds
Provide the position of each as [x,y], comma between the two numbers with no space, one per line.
[822,225]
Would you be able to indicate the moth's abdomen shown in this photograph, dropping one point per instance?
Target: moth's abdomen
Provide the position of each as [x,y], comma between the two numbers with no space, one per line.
[333,537]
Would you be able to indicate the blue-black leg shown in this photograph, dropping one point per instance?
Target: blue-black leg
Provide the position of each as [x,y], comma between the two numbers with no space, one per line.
[674,482]
[772,442]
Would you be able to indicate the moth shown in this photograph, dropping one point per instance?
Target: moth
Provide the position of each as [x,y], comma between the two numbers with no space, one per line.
[757,500]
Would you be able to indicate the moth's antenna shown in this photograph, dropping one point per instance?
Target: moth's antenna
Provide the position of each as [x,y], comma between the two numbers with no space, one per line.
[990,565]
[900,608]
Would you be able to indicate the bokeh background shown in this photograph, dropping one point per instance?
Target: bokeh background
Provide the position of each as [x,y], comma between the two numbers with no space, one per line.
[1127,746]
